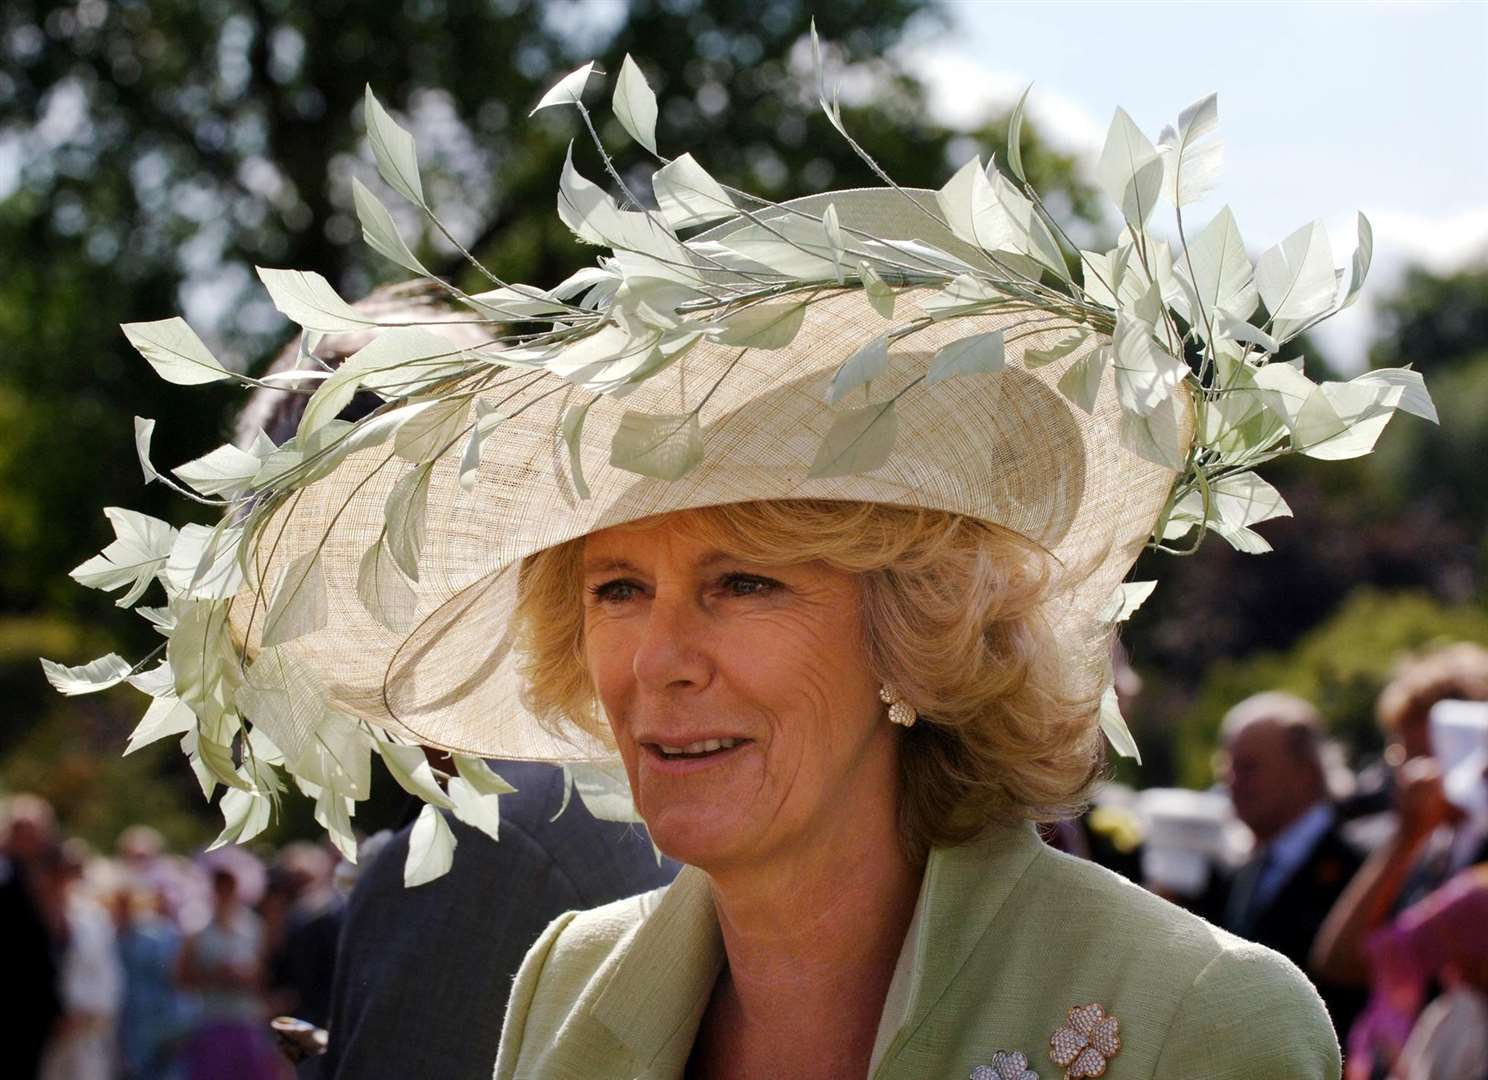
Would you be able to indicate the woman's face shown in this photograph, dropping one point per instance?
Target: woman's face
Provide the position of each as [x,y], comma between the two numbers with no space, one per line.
[739,695]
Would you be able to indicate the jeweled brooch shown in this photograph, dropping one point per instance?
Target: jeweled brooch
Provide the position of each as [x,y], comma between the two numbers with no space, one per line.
[1006,1065]
[1086,1043]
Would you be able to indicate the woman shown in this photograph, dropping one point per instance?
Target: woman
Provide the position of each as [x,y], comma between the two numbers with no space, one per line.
[860,898]
[819,521]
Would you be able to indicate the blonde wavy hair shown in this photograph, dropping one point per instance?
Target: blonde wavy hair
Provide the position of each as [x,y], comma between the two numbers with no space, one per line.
[952,618]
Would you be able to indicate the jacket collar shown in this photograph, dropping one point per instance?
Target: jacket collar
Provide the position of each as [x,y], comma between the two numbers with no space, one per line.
[655,995]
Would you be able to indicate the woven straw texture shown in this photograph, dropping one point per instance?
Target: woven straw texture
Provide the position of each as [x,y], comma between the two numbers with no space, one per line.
[1007,448]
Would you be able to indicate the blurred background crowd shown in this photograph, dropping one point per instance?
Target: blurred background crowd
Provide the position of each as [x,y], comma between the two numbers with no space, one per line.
[1307,779]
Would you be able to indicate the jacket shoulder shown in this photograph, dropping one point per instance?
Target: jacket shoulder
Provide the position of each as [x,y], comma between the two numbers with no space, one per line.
[1238,1009]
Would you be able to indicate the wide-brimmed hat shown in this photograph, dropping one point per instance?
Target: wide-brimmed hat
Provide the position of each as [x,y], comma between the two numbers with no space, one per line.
[1005,447]
[947,349]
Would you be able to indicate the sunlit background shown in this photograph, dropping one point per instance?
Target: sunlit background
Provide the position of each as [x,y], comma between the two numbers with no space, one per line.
[152,153]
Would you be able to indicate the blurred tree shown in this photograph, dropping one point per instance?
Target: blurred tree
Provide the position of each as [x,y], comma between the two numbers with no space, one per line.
[1341,666]
[152,152]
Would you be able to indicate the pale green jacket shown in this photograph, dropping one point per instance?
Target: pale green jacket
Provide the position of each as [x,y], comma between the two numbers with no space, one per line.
[1007,936]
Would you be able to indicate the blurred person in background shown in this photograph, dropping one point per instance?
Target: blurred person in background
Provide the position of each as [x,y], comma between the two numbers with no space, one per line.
[1272,764]
[31,950]
[82,1046]
[223,964]
[433,965]
[1187,852]
[152,1014]
[302,955]
[1432,840]
[1439,942]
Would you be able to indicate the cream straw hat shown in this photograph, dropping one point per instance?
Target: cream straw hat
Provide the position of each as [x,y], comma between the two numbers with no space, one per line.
[945,349]
[1007,448]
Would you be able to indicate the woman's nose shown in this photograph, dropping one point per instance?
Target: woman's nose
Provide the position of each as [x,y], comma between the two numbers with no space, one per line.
[672,653]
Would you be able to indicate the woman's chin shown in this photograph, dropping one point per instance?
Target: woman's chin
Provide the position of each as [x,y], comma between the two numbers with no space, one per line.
[701,835]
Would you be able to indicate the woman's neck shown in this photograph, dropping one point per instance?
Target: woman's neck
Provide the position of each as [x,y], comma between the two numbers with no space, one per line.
[811,941]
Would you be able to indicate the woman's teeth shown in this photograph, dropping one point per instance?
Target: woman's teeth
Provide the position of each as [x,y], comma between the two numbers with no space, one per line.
[706,746]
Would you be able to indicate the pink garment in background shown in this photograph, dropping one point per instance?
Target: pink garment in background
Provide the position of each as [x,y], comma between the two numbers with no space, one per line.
[1429,940]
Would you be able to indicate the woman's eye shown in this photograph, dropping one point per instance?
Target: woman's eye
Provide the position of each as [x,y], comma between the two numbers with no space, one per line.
[747,585]
[613,592]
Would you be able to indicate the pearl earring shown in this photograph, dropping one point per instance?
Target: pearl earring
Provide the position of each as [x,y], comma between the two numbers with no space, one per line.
[900,711]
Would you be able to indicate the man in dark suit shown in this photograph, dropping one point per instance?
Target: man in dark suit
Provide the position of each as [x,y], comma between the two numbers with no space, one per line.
[422,974]
[1273,768]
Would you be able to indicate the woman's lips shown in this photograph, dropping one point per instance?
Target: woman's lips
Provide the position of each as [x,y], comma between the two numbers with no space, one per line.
[697,755]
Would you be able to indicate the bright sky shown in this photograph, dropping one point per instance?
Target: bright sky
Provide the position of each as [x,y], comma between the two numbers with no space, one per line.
[1325,108]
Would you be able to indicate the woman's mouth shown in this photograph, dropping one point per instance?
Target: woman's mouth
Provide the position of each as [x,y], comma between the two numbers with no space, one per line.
[697,754]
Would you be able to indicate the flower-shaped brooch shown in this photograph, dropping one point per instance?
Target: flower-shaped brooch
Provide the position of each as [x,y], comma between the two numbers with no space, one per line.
[1006,1065]
[1086,1043]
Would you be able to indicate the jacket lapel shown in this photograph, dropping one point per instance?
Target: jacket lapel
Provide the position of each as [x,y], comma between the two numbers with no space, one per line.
[963,892]
[655,996]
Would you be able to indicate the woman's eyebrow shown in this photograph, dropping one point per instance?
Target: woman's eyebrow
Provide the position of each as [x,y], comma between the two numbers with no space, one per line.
[611,565]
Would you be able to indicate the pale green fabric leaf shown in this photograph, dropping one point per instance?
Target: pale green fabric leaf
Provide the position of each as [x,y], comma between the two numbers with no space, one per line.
[1191,159]
[381,232]
[166,716]
[385,592]
[477,809]
[972,209]
[644,245]
[1296,280]
[397,158]
[1113,726]
[880,296]
[664,446]
[431,849]
[87,678]
[1246,333]
[300,602]
[1082,382]
[203,563]
[762,326]
[635,104]
[859,440]
[1363,254]
[410,767]
[1146,373]
[1037,358]
[1245,499]
[1130,170]
[158,681]
[963,296]
[407,511]
[175,352]
[218,758]
[1414,397]
[868,363]
[1220,272]
[523,301]
[481,776]
[572,429]
[582,205]
[429,434]
[334,815]
[833,228]
[1345,420]
[308,299]
[604,790]
[687,195]
[487,417]
[225,471]
[1128,597]
[144,431]
[395,363]
[246,814]
[979,354]
[1015,136]
[1156,437]
[139,551]
[1285,390]
[567,90]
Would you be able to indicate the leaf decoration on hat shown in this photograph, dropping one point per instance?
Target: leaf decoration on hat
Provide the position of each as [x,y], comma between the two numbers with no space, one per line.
[1167,336]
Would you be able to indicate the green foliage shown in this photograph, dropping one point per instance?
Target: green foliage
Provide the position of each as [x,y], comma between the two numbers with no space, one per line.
[1340,666]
